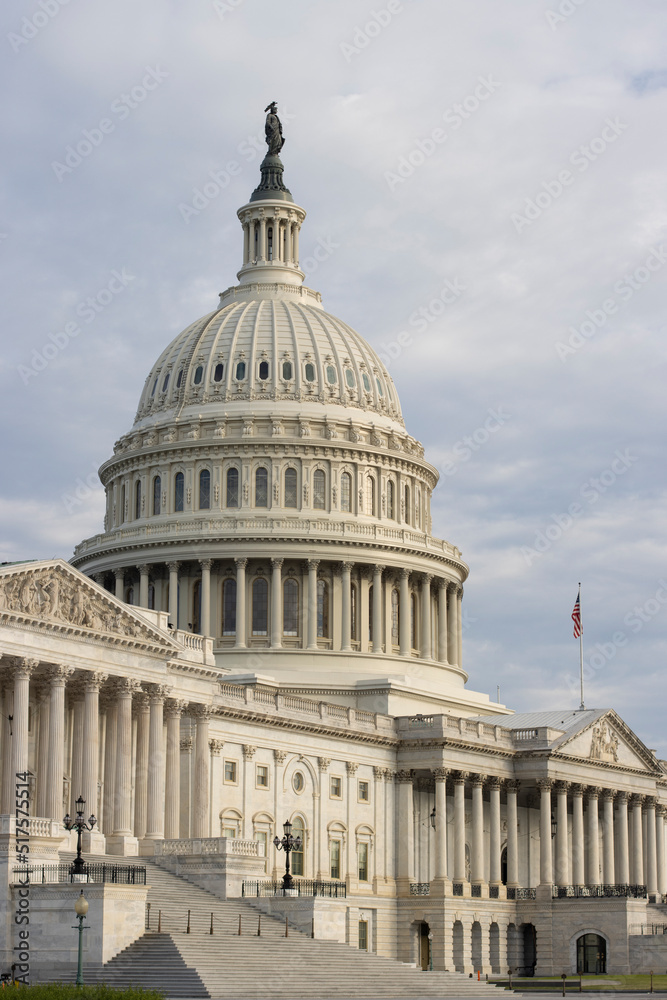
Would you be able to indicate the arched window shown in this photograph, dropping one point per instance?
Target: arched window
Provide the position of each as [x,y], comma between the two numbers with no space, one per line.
[413,621]
[322,609]
[290,607]
[261,488]
[232,487]
[204,489]
[370,496]
[408,518]
[298,830]
[157,494]
[319,487]
[137,498]
[179,491]
[353,611]
[346,492]
[229,607]
[290,488]
[395,604]
[129,595]
[370,613]
[260,607]
[122,504]
[390,499]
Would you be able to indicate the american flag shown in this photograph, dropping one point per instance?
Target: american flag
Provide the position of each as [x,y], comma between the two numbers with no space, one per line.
[576,616]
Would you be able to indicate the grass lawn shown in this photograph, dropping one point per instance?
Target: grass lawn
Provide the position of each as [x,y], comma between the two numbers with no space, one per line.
[610,983]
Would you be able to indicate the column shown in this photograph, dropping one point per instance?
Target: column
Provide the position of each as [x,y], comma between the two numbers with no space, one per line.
[459,626]
[593,836]
[122,841]
[91,736]
[110,768]
[623,852]
[56,763]
[477,852]
[205,616]
[144,570]
[608,863]
[246,242]
[200,805]
[459,827]
[562,853]
[215,783]
[512,834]
[546,857]
[295,252]
[241,630]
[155,810]
[276,604]
[76,776]
[8,790]
[404,612]
[142,710]
[377,609]
[173,568]
[494,832]
[173,713]
[23,668]
[351,870]
[451,623]
[442,621]
[660,849]
[637,867]
[406,837]
[578,876]
[120,583]
[312,603]
[426,616]
[346,608]
[379,854]
[262,238]
[651,852]
[321,850]
[42,752]
[440,868]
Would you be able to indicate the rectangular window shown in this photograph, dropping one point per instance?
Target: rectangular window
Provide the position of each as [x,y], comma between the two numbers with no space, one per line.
[364,791]
[362,860]
[230,771]
[318,490]
[334,858]
[363,935]
[232,487]
[261,837]
[262,776]
[336,788]
[229,831]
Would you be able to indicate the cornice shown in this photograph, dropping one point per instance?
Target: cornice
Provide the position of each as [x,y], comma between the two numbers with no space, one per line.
[303,726]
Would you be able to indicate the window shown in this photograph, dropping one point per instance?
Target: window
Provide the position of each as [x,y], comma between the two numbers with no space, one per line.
[370,496]
[290,607]
[232,487]
[336,788]
[353,611]
[349,378]
[390,499]
[262,776]
[137,498]
[413,621]
[363,932]
[346,492]
[179,491]
[367,382]
[331,374]
[261,488]
[362,862]
[230,772]
[379,385]
[290,488]
[395,617]
[154,387]
[165,383]
[264,370]
[309,372]
[218,372]
[157,494]
[407,505]
[298,782]
[364,791]
[322,610]
[196,607]
[334,858]
[318,489]
[417,509]
[122,504]
[261,836]
[370,613]
[229,607]
[204,489]
[151,596]
[240,371]
[179,379]
[229,832]
[287,371]
[298,830]
[199,374]
[260,607]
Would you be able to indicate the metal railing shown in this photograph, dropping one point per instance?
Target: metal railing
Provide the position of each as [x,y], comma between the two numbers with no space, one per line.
[420,888]
[647,930]
[299,887]
[513,892]
[63,872]
[476,891]
[599,891]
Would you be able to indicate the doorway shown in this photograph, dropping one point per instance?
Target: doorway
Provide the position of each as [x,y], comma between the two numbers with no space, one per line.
[591,954]
[424,947]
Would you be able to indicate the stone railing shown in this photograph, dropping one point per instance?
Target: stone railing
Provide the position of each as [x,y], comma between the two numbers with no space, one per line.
[450,727]
[208,845]
[38,827]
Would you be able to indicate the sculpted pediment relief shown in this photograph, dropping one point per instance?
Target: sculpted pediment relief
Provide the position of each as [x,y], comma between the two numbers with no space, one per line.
[55,593]
[608,740]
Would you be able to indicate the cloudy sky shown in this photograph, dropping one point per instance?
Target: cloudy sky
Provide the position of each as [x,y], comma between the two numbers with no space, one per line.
[487,178]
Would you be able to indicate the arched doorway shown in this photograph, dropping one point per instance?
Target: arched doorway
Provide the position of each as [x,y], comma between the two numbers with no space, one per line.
[476,946]
[503,866]
[591,954]
[457,945]
[424,946]
[494,948]
[529,941]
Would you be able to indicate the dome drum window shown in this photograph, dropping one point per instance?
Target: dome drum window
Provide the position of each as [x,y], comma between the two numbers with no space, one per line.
[218,372]
[179,491]
[198,375]
[239,374]
[154,387]
[288,371]
[319,490]
[350,379]
[204,489]
[232,487]
[332,378]
[263,370]
[165,382]
[309,371]
[179,379]
[367,382]
[261,488]
[291,499]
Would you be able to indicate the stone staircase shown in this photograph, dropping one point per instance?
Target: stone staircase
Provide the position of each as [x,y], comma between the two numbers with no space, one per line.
[248,967]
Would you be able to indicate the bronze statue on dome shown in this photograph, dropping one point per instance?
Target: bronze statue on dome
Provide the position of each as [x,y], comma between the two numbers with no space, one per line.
[273,129]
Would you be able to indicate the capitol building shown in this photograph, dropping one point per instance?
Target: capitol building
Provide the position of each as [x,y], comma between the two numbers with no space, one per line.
[266,629]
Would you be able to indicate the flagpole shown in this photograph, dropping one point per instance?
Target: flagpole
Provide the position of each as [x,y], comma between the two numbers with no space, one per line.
[581,656]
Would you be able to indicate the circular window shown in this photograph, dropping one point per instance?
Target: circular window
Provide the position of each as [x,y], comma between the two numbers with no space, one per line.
[349,377]
[298,782]
[331,374]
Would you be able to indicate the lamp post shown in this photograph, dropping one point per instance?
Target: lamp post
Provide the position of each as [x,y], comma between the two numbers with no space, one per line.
[81,909]
[79,824]
[287,844]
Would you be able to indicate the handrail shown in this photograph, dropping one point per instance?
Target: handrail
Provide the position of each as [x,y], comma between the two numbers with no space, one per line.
[94,873]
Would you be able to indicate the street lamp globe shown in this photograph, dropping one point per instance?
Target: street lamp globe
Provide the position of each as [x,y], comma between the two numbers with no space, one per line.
[81,905]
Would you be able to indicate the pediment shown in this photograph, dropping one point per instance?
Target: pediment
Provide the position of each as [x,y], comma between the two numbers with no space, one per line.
[609,741]
[54,595]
